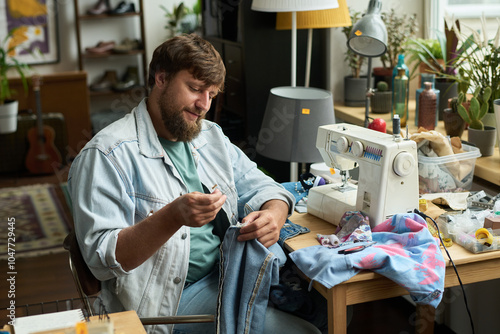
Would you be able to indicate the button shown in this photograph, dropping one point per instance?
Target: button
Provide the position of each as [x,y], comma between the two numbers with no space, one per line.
[177,280]
[184,236]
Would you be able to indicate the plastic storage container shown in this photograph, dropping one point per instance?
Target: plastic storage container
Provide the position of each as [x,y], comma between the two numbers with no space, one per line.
[470,242]
[451,173]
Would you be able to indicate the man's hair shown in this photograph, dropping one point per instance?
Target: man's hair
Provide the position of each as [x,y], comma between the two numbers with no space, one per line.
[191,53]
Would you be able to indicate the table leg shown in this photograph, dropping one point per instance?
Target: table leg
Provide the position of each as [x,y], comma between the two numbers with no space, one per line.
[337,310]
[425,319]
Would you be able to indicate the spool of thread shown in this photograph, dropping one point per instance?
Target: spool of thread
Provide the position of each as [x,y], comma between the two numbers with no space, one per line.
[396,126]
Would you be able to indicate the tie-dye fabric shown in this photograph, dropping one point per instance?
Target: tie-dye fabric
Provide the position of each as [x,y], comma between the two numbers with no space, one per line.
[405,252]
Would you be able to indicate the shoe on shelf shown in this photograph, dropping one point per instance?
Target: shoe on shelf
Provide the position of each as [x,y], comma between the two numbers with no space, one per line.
[123,7]
[130,80]
[101,7]
[106,82]
[127,45]
[101,47]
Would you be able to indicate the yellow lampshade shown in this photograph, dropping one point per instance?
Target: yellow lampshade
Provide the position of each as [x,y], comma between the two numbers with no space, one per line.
[327,18]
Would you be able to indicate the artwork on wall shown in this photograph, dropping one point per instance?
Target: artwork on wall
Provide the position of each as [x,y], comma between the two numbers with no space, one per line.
[35,36]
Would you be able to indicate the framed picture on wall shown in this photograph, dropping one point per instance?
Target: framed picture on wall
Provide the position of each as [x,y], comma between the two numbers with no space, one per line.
[35,30]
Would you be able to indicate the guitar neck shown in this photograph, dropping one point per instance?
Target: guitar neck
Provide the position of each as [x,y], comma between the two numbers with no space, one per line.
[39,120]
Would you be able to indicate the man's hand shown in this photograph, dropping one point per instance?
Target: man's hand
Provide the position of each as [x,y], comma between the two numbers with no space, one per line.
[193,209]
[265,225]
[197,209]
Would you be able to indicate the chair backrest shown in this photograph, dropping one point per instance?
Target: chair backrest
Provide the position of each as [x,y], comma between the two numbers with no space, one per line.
[86,283]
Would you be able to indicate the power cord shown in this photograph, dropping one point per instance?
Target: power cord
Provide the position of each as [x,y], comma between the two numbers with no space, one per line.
[423,215]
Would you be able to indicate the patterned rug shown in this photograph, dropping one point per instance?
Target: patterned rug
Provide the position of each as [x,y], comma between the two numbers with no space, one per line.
[41,223]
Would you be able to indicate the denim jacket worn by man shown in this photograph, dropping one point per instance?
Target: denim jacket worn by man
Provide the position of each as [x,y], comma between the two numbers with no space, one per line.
[122,175]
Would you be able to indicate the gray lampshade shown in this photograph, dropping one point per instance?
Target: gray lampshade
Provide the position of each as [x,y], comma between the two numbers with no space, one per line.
[369,36]
[291,121]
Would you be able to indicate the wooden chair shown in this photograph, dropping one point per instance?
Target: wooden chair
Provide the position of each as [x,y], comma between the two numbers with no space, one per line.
[88,285]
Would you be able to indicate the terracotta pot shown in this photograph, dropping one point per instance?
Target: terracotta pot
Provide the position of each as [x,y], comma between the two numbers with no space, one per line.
[453,123]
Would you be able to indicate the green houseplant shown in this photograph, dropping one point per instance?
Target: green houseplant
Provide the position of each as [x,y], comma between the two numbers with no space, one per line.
[9,107]
[400,28]
[484,137]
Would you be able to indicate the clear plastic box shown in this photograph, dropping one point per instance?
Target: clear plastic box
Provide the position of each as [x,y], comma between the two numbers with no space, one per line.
[470,242]
[451,173]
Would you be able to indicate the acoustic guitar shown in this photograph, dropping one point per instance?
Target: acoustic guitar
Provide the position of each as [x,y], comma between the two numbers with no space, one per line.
[43,156]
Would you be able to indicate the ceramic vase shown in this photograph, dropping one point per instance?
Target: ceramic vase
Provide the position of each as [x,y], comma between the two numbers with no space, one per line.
[427,108]
[454,125]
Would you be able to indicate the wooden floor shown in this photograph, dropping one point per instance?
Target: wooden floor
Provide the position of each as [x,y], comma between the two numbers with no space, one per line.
[48,278]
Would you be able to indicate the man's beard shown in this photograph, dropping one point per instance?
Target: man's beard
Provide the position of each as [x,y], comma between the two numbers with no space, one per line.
[174,122]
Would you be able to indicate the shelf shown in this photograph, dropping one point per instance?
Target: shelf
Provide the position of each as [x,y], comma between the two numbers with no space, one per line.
[87,55]
[110,92]
[107,16]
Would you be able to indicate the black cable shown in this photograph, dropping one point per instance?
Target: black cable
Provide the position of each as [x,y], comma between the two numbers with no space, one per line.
[423,215]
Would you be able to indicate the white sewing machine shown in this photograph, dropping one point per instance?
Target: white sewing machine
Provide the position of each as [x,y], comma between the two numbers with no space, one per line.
[388,174]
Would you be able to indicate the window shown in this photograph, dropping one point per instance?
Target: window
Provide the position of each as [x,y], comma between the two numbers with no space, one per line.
[468,12]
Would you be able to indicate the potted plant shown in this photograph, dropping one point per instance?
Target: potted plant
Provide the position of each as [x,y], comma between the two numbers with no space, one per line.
[8,106]
[354,84]
[381,99]
[483,136]
[399,30]
[439,56]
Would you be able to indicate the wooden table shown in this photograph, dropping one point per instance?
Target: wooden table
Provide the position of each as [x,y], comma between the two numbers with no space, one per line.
[487,168]
[368,286]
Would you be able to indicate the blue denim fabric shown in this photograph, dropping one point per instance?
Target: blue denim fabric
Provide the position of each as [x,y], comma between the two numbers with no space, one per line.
[248,269]
[122,175]
[290,230]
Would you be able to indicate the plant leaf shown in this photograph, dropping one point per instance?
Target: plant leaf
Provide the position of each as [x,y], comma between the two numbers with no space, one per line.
[463,113]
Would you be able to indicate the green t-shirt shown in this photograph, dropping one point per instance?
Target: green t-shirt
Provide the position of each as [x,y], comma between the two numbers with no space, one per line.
[204,250]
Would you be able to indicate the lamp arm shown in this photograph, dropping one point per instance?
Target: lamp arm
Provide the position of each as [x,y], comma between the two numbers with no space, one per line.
[368,91]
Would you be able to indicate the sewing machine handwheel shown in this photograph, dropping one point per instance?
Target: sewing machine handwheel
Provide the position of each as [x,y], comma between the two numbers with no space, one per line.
[404,164]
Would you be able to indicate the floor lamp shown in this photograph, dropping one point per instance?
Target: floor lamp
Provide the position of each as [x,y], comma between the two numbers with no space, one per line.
[293,7]
[316,19]
[369,39]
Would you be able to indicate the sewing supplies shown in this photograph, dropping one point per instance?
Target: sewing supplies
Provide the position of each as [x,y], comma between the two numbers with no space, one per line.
[484,236]
[355,249]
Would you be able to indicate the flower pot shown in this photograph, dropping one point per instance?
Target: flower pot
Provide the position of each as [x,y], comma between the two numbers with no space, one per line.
[355,91]
[8,117]
[454,125]
[381,102]
[496,108]
[484,139]
[447,90]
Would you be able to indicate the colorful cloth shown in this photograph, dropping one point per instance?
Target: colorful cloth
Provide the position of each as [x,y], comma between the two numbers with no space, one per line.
[405,252]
